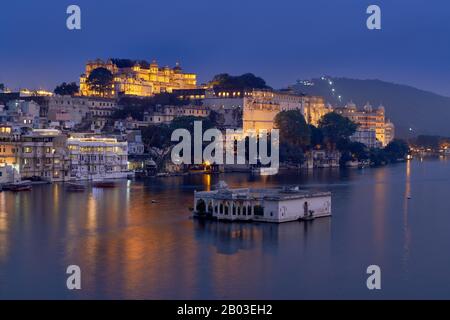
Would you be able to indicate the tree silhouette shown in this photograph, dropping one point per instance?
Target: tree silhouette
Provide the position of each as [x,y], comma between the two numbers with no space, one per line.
[100,81]
[66,89]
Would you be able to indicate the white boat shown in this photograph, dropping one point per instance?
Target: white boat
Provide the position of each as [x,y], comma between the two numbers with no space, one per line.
[265,171]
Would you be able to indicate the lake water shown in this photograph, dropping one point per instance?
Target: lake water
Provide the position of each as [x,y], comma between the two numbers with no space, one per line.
[128,247]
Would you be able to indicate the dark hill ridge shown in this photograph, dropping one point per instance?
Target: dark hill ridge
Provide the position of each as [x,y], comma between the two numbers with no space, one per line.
[408,107]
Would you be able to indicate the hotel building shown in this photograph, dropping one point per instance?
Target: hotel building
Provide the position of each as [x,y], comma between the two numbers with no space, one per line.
[138,78]
[315,109]
[47,154]
[93,157]
[369,119]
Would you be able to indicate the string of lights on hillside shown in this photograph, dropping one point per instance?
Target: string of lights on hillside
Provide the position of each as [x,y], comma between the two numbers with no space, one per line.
[332,88]
[339,97]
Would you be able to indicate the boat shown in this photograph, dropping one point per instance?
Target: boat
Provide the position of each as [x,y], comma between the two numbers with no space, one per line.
[71,186]
[352,164]
[103,183]
[24,185]
[265,171]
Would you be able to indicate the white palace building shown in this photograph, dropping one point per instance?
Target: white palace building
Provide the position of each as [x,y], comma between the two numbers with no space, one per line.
[267,205]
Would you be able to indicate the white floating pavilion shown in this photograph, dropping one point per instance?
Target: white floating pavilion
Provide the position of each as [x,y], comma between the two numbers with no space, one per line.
[268,205]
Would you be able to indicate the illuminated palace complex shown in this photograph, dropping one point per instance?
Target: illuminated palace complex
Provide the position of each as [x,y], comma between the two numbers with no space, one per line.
[373,128]
[138,78]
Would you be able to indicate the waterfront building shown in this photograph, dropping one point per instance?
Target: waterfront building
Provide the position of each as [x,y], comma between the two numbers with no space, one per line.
[138,78]
[267,205]
[367,137]
[92,157]
[36,154]
[323,159]
[166,114]
[41,155]
[7,174]
[369,119]
[9,145]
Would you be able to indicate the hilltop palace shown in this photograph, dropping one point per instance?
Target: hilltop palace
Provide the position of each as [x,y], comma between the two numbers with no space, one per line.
[138,78]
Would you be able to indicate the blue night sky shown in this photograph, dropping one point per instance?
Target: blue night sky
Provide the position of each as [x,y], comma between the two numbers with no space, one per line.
[280,41]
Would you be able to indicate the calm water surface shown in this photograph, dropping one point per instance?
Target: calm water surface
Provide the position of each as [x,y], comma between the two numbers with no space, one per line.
[128,247]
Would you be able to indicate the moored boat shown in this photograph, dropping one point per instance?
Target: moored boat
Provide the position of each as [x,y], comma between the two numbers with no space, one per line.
[71,186]
[24,185]
[103,183]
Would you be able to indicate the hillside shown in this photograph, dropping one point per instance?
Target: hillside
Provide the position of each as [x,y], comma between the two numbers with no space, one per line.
[408,107]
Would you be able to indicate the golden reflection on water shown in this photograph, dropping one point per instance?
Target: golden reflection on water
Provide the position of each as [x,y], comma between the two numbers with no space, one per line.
[381,188]
[128,246]
[207,182]
[4,245]
[406,228]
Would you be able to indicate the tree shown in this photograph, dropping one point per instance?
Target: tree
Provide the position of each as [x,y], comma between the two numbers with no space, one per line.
[66,89]
[2,87]
[316,136]
[358,150]
[378,157]
[187,122]
[156,136]
[425,141]
[156,139]
[245,81]
[396,149]
[293,128]
[100,81]
[336,127]
[291,154]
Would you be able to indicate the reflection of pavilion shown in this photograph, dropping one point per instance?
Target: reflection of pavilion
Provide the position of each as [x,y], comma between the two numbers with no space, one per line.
[230,238]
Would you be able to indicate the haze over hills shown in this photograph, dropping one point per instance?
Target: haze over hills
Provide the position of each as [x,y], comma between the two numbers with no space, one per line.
[408,107]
